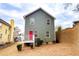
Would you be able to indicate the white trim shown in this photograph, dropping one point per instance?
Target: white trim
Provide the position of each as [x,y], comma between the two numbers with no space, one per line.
[29,41]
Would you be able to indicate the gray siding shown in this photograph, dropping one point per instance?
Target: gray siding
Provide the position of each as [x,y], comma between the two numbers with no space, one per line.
[40,25]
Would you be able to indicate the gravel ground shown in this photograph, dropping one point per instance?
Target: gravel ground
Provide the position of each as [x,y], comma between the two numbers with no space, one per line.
[60,49]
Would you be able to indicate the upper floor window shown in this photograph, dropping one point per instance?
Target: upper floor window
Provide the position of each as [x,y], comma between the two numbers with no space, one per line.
[32,21]
[6,31]
[48,22]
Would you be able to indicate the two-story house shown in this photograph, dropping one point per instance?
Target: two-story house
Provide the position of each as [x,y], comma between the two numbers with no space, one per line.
[40,24]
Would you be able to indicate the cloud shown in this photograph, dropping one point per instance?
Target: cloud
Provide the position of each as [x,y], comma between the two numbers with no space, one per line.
[6,13]
[39,1]
[64,17]
[67,17]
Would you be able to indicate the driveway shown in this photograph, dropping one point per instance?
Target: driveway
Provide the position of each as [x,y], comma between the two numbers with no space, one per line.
[60,49]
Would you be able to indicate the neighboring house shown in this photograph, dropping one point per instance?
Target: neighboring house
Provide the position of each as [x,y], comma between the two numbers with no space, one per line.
[6,31]
[40,24]
[76,32]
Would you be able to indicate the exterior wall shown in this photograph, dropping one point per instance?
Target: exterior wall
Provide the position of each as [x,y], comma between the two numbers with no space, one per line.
[40,25]
[67,36]
[12,30]
[5,34]
[70,35]
[0,33]
[77,34]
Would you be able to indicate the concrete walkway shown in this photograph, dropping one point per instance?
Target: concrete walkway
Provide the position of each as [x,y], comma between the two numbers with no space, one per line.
[44,50]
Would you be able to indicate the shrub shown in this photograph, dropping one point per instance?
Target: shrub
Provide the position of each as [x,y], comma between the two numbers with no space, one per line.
[41,42]
[19,47]
[31,45]
[38,42]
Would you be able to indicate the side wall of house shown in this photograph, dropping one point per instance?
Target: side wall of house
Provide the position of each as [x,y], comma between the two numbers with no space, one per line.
[12,30]
[5,33]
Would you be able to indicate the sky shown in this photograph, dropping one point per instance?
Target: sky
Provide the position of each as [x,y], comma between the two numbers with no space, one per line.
[62,12]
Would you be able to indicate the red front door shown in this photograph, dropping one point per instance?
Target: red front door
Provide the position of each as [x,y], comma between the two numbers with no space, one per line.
[30,35]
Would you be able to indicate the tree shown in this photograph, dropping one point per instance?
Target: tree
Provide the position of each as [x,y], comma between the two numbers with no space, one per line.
[58,34]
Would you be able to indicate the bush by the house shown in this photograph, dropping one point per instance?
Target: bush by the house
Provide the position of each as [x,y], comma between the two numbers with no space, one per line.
[19,47]
[31,45]
[38,42]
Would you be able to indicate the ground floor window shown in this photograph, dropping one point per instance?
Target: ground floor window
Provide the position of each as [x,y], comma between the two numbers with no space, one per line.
[36,34]
[47,34]
[0,35]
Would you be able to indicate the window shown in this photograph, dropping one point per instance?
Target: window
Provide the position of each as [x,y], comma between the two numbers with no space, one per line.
[36,34]
[32,21]
[0,25]
[47,34]
[48,22]
[0,35]
[6,31]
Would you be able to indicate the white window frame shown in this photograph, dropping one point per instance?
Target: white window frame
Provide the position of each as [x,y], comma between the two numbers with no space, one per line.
[32,21]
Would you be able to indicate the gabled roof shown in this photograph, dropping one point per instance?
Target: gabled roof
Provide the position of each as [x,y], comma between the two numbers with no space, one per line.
[4,22]
[38,10]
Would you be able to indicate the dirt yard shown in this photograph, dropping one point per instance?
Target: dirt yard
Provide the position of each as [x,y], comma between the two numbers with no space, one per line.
[60,49]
